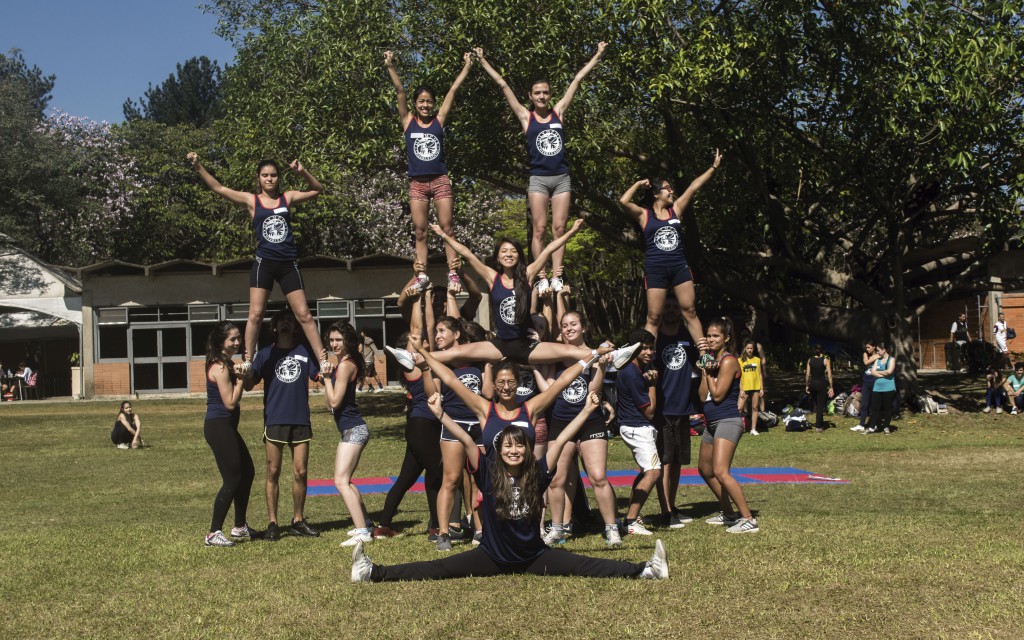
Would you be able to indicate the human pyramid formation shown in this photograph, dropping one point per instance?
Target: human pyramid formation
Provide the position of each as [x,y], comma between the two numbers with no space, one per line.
[498,419]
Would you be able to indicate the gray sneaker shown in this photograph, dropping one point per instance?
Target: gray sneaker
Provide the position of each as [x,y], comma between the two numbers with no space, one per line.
[361,564]
[444,542]
[217,539]
[678,520]
[744,525]
[721,519]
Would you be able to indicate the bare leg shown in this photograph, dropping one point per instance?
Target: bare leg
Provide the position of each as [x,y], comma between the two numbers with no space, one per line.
[257,307]
[445,217]
[539,218]
[297,301]
[721,462]
[687,297]
[300,457]
[642,489]
[551,352]
[559,218]
[556,490]
[655,304]
[473,351]
[453,461]
[344,466]
[706,468]
[274,455]
[595,460]
[420,210]
[755,400]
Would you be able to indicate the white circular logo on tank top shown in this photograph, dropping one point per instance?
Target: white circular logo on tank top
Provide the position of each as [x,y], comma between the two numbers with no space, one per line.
[526,384]
[549,142]
[674,356]
[471,382]
[507,310]
[576,392]
[275,229]
[288,370]
[426,148]
[666,239]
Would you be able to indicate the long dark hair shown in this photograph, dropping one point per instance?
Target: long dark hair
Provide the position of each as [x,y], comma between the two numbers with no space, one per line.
[351,340]
[651,192]
[520,283]
[505,502]
[215,344]
[454,325]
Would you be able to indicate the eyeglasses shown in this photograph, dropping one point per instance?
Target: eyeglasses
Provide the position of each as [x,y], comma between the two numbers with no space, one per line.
[506,384]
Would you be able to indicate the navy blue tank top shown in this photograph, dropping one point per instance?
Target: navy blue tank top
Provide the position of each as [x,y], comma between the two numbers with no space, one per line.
[495,424]
[424,147]
[416,400]
[573,398]
[274,240]
[214,403]
[472,377]
[347,415]
[729,406]
[503,302]
[664,241]
[545,142]
[674,358]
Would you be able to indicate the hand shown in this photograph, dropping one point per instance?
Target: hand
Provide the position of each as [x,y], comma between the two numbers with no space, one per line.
[296,166]
[468,58]
[646,182]
[455,265]
[702,345]
[192,157]
[413,292]
[436,228]
[601,46]
[718,159]
[595,400]
[434,402]
[651,376]
[389,59]
[479,51]
[831,392]
[576,226]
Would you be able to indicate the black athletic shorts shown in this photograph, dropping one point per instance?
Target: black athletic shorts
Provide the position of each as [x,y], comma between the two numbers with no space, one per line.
[288,433]
[266,272]
[673,439]
[593,429]
[518,350]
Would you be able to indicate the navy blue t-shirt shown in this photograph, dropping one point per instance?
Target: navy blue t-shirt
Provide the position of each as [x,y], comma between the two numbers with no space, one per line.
[285,391]
[510,541]
[631,391]
[674,358]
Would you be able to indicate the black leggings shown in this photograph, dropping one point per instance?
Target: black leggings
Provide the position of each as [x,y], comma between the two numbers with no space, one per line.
[422,455]
[476,563]
[819,391]
[881,409]
[236,468]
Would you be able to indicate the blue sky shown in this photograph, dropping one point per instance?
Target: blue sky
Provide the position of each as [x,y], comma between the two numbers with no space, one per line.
[106,51]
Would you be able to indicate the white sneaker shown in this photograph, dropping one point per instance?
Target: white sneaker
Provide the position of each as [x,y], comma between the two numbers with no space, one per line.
[122,446]
[402,357]
[986,409]
[621,357]
[612,537]
[1013,411]
[859,427]
[657,566]
[744,525]
[553,537]
[556,284]
[678,521]
[542,286]
[217,539]
[353,531]
[637,528]
[999,409]
[755,432]
[242,533]
[361,564]
[723,519]
[365,535]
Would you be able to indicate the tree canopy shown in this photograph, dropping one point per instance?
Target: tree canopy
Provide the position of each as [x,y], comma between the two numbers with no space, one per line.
[192,95]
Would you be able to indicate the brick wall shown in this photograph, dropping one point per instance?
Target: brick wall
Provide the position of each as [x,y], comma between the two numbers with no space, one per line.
[112,378]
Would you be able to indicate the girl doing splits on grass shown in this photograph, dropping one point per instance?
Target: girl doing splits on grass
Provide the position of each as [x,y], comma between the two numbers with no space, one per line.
[512,482]
[276,253]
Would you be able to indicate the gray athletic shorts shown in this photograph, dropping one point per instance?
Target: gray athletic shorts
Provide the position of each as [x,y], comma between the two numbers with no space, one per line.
[356,435]
[550,185]
[727,429]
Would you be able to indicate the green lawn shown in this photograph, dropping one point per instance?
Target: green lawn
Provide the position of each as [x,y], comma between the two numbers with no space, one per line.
[100,542]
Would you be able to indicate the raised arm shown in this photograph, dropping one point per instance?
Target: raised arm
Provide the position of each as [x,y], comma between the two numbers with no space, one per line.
[540,402]
[482,270]
[521,112]
[570,93]
[429,319]
[557,243]
[626,200]
[238,197]
[449,379]
[403,101]
[555,448]
[449,98]
[410,292]
[683,201]
[454,428]
[472,289]
[315,188]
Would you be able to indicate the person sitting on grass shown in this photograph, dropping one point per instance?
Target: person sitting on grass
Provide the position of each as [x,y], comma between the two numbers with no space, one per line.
[127,431]
[1015,388]
[512,483]
[994,383]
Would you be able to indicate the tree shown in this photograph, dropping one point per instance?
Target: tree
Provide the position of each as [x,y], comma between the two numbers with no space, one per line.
[192,95]
[35,87]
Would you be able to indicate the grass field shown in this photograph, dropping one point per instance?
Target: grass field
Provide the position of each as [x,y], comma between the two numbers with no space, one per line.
[923,543]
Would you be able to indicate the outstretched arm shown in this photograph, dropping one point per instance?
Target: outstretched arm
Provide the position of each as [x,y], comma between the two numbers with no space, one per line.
[571,429]
[454,428]
[636,211]
[566,100]
[448,377]
[522,113]
[683,201]
[557,243]
[403,102]
[449,98]
[482,270]
[315,188]
[238,197]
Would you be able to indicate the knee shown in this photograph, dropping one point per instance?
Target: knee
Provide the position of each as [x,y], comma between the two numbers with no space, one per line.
[722,473]
[689,311]
[421,234]
[300,474]
[539,229]
[304,316]
[654,318]
[705,471]
[598,480]
[273,471]
[255,315]
[558,229]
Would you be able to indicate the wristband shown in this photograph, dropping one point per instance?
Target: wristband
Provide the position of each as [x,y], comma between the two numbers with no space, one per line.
[582,363]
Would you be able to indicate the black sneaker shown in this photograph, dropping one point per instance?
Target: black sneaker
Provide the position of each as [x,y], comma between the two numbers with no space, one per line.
[301,528]
[432,534]
[444,542]
[458,534]
[272,533]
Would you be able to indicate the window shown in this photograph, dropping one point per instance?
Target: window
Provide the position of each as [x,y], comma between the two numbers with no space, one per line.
[112,315]
[237,311]
[204,313]
[113,342]
[333,309]
[369,308]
